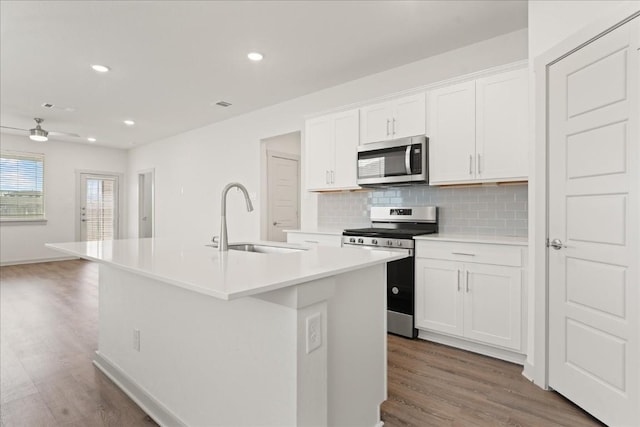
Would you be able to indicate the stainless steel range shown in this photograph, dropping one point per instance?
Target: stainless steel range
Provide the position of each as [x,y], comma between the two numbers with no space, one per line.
[393,228]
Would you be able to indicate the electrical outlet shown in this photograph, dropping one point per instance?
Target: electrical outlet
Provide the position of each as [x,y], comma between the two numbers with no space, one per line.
[136,339]
[314,332]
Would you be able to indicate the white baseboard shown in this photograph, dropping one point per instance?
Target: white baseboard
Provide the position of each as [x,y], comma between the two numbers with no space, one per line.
[487,350]
[36,261]
[156,410]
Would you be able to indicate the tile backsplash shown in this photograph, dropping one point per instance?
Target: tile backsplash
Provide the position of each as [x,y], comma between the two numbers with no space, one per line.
[498,210]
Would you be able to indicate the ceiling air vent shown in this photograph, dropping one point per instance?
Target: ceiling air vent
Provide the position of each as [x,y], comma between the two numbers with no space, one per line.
[47,105]
[223,103]
[57,107]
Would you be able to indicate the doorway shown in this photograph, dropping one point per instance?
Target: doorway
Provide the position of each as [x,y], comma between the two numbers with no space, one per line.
[146,214]
[592,206]
[99,207]
[280,186]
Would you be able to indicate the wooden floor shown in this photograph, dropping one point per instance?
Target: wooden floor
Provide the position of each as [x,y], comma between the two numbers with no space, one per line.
[48,328]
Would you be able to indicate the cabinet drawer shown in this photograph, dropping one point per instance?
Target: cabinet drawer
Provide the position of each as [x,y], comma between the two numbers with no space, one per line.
[470,252]
[310,239]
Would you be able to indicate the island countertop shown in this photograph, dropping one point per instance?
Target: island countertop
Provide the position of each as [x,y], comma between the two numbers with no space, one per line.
[224,275]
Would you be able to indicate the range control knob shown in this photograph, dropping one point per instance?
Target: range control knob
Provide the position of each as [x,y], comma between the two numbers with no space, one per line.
[399,243]
[360,240]
[352,240]
[389,242]
[374,242]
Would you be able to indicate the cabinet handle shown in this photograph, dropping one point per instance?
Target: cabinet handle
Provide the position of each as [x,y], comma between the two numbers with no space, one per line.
[333,177]
[388,121]
[478,168]
[470,164]
[467,280]
[393,127]
[326,177]
[312,241]
[462,253]
[458,280]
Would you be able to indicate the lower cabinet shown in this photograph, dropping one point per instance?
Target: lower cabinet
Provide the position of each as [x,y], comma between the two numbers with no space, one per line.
[474,301]
[314,239]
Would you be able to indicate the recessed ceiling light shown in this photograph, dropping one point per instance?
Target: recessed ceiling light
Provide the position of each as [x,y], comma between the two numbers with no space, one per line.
[100,68]
[91,139]
[129,122]
[255,56]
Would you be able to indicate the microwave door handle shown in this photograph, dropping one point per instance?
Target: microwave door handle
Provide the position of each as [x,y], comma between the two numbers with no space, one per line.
[407,159]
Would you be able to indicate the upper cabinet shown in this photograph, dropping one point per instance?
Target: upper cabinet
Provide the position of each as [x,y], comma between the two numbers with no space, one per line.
[331,151]
[398,118]
[478,130]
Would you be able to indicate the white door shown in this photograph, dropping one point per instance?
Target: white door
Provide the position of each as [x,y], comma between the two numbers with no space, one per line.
[439,292]
[452,133]
[501,126]
[593,211]
[145,204]
[493,304]
[409,116]
[283,190]
[98,207]
[319,152]
[375,123]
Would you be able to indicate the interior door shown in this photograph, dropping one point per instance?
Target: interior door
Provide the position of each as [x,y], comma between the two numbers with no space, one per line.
[145,204]
[594,226]
[283,189]
[98,207]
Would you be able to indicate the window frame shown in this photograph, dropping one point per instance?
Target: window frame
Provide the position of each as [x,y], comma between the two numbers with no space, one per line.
[19,220]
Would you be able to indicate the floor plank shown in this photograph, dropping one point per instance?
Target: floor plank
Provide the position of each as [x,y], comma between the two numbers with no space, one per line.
[49,331]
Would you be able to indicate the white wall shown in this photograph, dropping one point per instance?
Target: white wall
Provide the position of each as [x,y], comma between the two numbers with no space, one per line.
[550,22]
[193,167]
[25,242]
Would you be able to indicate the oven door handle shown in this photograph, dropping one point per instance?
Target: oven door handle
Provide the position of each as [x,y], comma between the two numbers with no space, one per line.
[407,251]
[407,159]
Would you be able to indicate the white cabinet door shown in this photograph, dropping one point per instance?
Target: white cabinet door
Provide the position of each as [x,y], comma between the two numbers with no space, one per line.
[344,174]
[501,126]
[438,296]
[319,152]
[452,131]
[375,123]
[492,304]
[409,116]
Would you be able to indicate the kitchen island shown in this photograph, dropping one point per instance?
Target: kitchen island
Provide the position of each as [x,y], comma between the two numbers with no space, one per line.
[199,337]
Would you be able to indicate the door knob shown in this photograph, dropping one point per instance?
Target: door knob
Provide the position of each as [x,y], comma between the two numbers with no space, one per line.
[275,223]
[557,244]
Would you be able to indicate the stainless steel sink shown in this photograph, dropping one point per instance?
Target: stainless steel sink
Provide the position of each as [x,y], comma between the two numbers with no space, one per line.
[263,249]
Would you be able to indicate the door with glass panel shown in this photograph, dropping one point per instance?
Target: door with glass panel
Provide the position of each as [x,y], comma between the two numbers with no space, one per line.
[98,207]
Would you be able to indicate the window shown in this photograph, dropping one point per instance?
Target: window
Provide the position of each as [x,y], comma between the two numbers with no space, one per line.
[21,186]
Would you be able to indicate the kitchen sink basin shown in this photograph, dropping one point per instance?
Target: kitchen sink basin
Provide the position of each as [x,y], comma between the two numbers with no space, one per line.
[263,249]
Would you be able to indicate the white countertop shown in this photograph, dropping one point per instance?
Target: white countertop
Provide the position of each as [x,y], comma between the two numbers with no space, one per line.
[331,232]
[224,275]
[496,240]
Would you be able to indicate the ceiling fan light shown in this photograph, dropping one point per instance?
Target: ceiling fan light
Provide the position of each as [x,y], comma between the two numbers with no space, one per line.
[38,134]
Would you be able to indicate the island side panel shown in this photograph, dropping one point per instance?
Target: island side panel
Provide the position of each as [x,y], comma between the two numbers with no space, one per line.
[357,350]
[206,361]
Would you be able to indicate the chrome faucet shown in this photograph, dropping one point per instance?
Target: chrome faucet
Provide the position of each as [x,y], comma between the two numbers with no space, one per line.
[223,244]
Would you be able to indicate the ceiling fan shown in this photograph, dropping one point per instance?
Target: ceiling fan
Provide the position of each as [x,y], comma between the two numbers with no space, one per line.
[39,134]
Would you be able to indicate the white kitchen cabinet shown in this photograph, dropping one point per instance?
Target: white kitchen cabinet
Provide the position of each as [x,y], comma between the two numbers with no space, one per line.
[399,118]
[477,130]
[313,238]
[331,151]
[472,292]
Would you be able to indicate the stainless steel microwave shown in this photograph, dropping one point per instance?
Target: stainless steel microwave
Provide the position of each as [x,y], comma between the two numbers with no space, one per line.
[397,162]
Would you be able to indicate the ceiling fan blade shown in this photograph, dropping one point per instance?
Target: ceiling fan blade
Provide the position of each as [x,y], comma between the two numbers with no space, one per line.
[54,133]
[9,127]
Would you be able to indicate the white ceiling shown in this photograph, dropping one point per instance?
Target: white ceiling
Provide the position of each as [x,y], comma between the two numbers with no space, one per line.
[171,60]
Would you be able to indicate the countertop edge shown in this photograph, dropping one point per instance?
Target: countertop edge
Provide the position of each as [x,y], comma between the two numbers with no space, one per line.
[489,240]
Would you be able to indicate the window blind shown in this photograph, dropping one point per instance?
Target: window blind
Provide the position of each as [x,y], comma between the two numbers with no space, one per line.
[100,209]
[21,185]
